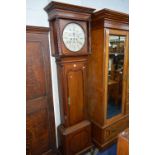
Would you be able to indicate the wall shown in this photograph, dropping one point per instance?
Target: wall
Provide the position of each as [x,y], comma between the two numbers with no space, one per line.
[35,15]
[118,5]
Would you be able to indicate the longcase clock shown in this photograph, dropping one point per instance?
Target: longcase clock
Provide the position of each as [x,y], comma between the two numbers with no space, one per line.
[70,43]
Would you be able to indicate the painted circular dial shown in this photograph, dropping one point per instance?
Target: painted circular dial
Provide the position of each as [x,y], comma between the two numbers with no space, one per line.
[73,37]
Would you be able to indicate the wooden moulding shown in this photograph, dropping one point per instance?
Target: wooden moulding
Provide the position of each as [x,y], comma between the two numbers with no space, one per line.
[107,14]
[37,29]
[57,10]
[64,6]
[110,19]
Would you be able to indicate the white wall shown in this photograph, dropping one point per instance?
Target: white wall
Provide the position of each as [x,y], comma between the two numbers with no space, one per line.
[118,5]
[35,15]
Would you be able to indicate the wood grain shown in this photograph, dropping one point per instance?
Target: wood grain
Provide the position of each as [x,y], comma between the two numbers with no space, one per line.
[104,23]
[123,143]
[75,129]
[40,123]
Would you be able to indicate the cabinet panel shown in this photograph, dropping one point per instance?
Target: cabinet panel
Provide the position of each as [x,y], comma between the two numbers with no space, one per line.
[75,96]
[75,75]
[35,71]
[82,141]
[40,124]
[72,77]
[113,130]
[76,138]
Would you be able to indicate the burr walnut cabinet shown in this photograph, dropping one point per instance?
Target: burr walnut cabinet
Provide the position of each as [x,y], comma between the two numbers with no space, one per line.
[70,43]
[107,84]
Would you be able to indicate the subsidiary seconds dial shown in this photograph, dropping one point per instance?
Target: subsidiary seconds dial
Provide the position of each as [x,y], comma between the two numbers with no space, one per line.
[73,37]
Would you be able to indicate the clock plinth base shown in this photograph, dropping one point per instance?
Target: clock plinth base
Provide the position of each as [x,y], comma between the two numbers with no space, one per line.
[75,139]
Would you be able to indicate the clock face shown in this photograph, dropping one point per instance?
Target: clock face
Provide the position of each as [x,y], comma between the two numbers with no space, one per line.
[73,37]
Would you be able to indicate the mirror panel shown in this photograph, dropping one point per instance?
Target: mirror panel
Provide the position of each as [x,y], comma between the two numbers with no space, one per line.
[115,75]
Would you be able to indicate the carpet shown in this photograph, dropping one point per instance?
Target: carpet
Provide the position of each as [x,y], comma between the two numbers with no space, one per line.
[112,150]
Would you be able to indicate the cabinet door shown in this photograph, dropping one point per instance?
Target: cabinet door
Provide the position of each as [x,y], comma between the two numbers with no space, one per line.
[74,83]
[40,124]
[116,73]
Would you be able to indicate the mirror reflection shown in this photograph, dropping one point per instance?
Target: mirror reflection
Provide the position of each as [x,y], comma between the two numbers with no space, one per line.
[115,75]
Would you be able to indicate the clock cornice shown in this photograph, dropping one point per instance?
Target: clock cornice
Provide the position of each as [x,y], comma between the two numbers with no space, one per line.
[64,6]
[57,10]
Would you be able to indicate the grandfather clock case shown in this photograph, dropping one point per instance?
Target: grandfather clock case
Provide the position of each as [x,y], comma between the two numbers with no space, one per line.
[70,43]
[108,76]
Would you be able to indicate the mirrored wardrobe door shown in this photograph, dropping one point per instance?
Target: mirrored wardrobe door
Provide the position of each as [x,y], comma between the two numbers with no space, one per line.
[116,73]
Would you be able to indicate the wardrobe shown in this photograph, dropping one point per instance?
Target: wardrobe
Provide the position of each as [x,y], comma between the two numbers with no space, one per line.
[107,87]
